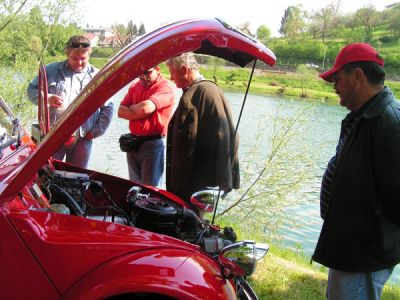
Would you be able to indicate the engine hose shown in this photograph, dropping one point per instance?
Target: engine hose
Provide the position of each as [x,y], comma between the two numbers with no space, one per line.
[190,221]
[59,193]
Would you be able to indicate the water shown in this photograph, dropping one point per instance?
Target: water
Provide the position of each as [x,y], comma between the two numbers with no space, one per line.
[319,134]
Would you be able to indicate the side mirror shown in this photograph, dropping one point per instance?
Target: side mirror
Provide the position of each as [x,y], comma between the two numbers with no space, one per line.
[205,200]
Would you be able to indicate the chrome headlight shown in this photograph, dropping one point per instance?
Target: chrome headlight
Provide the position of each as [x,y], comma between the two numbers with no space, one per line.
[240,258]
[205,199]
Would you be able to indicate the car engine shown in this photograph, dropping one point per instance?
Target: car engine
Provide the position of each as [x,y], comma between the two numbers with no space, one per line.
[77,194]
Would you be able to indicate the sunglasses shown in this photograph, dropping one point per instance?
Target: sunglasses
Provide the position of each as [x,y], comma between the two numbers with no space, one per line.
[79,45]
[148,72]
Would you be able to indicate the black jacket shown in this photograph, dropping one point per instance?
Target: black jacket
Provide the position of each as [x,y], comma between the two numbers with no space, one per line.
[361,230]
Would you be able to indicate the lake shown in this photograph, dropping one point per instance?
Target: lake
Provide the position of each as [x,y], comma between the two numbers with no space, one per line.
[317,135]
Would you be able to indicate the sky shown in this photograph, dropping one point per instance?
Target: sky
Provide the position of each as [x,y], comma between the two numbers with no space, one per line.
[154,13]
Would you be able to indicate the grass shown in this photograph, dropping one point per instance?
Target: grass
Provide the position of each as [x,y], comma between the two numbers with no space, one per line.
[287,274]
[284,274]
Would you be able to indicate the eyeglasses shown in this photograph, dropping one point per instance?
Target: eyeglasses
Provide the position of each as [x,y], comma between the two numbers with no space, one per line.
[148,72]
[79,45]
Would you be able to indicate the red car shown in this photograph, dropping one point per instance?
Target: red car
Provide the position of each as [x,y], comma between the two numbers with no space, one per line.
[72,233]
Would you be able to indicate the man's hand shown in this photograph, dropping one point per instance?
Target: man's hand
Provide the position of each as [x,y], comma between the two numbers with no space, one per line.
[56,101]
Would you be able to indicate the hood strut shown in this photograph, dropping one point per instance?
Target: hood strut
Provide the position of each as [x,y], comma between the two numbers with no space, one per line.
[236,129]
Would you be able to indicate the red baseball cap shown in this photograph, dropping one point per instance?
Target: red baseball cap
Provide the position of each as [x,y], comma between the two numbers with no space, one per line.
[353,53]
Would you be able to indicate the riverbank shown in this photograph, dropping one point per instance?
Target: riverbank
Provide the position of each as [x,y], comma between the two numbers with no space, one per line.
[303,84]
[299,85]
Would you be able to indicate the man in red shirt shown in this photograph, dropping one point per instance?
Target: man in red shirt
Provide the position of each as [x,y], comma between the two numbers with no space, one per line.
[148,107]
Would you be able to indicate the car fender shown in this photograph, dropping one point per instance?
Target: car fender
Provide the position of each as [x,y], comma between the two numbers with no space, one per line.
[175,273]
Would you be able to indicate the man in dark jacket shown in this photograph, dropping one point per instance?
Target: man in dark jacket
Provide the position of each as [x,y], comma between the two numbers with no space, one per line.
[360,205]
[201,143]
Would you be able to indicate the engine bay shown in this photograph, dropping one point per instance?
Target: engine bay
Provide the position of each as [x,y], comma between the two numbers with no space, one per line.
[107,198]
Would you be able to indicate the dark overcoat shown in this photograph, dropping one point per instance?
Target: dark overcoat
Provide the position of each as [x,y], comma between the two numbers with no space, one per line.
[201,144]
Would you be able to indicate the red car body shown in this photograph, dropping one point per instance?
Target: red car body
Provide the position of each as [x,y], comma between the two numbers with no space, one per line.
[45,254]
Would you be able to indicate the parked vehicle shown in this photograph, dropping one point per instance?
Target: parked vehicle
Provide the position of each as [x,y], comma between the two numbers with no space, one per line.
[73,233]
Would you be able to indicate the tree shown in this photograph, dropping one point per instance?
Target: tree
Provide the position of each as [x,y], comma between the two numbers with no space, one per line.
[31,34]
[394,22]
[324,19]
[351,21]
[11,9]
[245,28]
[263,34]
[132,31]
[314,27]
[292,23]
[306,74]
[142,30]
[271,172]
[369,18]
[121,34]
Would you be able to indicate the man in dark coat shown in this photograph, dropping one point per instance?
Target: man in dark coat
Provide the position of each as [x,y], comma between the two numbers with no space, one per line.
[201,145]
[360,205]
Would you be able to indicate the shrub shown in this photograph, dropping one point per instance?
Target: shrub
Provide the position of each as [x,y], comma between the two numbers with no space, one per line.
[388,39]
[100,52]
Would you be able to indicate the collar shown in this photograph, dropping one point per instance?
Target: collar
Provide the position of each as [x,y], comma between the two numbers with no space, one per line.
[374,107]
[197,80]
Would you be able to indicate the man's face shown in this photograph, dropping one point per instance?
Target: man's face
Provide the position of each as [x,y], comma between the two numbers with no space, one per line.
[150,76]
[178,76]
[77,59]
[344,85]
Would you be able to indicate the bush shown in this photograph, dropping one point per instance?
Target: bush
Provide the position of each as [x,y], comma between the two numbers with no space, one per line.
[300,51]
[100,52]
[388,39]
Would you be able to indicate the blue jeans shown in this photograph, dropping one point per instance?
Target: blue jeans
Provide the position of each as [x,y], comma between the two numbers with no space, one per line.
[78,154]
[146,166]
[356,286]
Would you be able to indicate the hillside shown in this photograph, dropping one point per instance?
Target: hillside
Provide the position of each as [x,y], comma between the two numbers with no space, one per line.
[313,46]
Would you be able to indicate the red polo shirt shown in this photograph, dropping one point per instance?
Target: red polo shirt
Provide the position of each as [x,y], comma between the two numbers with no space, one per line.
[161,92]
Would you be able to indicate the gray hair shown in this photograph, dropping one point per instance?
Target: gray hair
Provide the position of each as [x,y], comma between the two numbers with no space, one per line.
[187,59]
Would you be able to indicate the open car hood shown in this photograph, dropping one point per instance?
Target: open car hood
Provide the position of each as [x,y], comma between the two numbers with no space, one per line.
[205,36]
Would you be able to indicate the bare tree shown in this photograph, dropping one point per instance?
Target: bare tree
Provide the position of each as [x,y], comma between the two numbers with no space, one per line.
[245,28]
[121,34]
[272,170]
[314,27]
[325,19]
[369,18]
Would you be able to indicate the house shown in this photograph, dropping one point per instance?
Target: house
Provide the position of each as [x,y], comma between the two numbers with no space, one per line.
[93,38]
[101,37]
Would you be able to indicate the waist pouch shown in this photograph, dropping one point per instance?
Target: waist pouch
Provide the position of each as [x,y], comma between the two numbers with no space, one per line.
[129,142]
